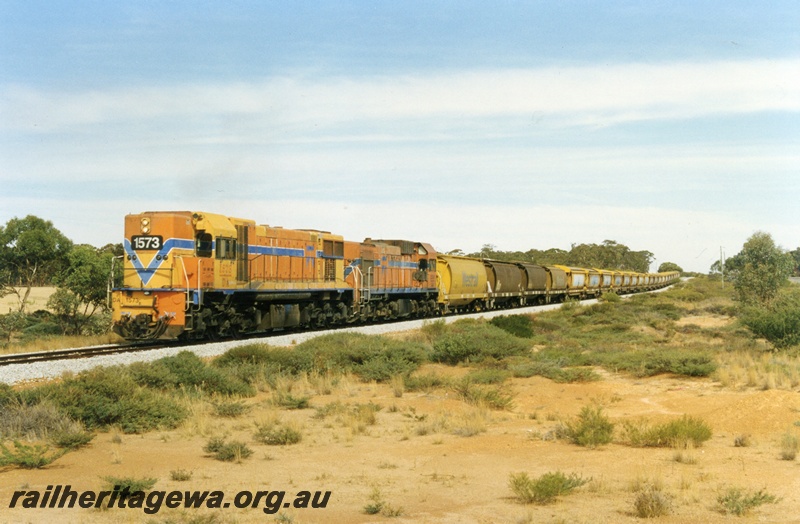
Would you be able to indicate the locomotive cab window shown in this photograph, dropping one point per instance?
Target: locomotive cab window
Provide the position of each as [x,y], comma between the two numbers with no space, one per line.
[423,264]
[203,244]
[226,248]
[331,248]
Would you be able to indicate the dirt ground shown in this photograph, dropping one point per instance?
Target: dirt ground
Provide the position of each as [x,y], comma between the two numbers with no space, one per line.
[414,460]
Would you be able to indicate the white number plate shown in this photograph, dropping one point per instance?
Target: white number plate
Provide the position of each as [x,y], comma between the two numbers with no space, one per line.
[143,243]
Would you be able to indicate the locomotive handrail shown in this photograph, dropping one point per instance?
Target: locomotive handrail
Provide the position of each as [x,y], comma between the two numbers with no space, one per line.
[199,278]
[186,278]
[364,293]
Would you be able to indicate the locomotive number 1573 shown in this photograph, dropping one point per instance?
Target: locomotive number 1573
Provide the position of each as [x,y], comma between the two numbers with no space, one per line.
[147,242]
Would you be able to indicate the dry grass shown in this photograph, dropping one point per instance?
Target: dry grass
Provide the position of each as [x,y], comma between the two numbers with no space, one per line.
[465,422]
[745,369]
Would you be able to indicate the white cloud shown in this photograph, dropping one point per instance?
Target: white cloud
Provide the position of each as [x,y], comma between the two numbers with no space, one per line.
[592,95]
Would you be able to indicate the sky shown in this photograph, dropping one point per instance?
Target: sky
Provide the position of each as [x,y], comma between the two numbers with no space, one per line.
[672,127]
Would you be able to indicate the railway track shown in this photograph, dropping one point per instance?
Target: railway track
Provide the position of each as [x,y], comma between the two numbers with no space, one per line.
[86,352]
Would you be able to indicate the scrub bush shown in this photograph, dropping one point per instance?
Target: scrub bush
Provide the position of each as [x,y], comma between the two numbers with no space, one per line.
[474,341]
[590,429]
[226,451]
[544,489]
[739,502]
[277,434]
[779,322]
[109,396]
[517,325]
[26,456]
[187,370]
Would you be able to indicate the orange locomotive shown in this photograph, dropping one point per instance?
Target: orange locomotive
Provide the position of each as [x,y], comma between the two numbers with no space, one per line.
[201,275]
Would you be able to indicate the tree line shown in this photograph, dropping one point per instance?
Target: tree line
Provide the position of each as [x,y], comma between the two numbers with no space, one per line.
[607,255]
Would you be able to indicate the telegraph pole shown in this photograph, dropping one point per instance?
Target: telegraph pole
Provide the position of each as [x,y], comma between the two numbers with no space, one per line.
[722,265]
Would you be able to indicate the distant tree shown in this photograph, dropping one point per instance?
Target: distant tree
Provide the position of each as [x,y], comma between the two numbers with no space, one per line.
[549,257]
[82,287]
[32,251]
[610,255]
[669,266]
[115,249]
[779,322]
[796,257]
[759,270]
[11,323]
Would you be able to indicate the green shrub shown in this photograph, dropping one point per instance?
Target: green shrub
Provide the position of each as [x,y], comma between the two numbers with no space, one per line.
[132,484]
[651,362]
[487,376]
[517,325]
[425,382]
[376,503]
[71,438]
[109,396]
[739,502]
[7,394]
[277,434]
[551,369]
[370,357]
[187,370]
[260,362]
[28,456]
[180,475]
[544,489]
[778,322]
[591,428]
[432,330]
[226,451]
[249,354]
[610,297]
[289,401]
[470,340]
[41,330]
[230,409]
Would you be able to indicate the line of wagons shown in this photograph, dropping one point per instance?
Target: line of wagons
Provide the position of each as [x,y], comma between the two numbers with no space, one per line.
[194,275]
[474,284]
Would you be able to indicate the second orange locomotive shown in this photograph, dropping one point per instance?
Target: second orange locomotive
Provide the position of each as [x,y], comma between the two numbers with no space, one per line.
[203,275]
